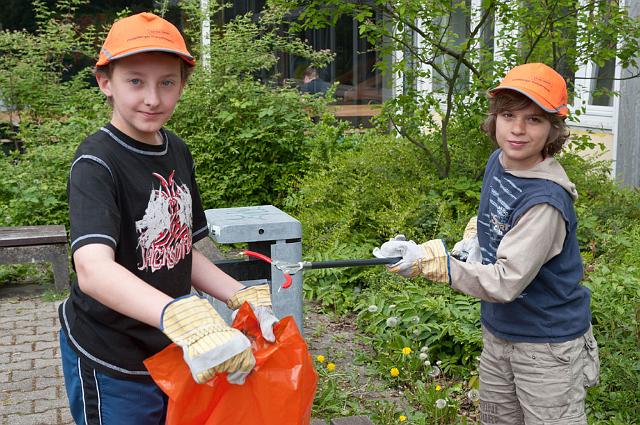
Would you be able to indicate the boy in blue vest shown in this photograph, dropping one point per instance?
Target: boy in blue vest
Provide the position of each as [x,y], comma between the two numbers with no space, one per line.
[539,352]
[135,213]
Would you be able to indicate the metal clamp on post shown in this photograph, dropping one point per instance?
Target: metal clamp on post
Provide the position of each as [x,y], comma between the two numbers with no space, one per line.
[271,233]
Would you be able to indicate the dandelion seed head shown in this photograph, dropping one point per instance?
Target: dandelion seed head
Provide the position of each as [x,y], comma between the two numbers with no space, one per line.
[416,332]
[372,308]
[415,319]
[473,395]
[427,363]
[424,356]
[424,349]
[392,321]
[434,372]
[441,403]
[439,362]
[392,306]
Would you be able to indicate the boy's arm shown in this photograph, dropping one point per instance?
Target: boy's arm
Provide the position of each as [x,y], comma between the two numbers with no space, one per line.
[100,277]
[208,278]
[536,238]
[209,345]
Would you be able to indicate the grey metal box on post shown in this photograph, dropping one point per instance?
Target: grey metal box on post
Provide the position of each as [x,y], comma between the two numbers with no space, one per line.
[269,231]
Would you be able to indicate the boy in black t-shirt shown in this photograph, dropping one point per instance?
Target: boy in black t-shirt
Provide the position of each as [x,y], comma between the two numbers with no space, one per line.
[135,213]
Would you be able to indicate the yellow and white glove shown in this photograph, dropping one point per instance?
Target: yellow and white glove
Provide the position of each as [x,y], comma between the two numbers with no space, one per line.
[208,343]
[259,297]
[468,249]
[471,228]
[430,259]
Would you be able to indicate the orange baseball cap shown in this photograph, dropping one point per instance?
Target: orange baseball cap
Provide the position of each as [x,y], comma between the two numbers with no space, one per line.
[144,32]
[540,83]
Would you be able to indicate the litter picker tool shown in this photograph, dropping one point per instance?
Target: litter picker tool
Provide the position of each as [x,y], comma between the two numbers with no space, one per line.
[289,269]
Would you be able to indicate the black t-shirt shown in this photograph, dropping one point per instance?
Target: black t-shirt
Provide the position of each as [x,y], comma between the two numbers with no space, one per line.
[142,201]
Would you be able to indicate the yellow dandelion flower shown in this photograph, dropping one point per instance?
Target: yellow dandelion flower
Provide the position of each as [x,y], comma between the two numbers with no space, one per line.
[438,388]
[394,372]
[331,367]
[320,358]
[406,351]
[402,418]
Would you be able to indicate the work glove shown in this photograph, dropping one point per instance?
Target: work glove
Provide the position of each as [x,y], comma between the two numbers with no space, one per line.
[468,249]
[209,345]
[399,246]
[430,259]
[259,297]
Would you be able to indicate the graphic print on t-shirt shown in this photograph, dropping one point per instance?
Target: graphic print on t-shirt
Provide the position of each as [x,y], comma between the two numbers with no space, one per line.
[164,233]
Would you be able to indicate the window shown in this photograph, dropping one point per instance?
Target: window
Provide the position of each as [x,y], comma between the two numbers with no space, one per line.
[353,68]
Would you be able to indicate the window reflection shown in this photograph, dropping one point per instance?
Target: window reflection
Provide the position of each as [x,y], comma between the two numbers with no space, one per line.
[602,84]
[353,68]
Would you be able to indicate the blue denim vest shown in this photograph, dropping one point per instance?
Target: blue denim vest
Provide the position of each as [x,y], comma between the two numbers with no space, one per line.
[554,307]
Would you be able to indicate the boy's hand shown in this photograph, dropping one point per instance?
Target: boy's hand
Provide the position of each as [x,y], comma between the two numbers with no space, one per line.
[430,259]
[468,249]
[399,246]
[259,297]
[435,264]
[471,229]
[209,344]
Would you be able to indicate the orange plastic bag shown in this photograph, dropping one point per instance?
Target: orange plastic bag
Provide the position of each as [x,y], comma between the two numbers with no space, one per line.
[279,391]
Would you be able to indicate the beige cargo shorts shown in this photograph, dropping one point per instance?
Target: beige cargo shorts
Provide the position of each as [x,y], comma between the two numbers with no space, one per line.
[536,383]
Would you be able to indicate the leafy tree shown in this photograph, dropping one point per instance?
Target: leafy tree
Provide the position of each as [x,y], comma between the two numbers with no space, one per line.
[428,44]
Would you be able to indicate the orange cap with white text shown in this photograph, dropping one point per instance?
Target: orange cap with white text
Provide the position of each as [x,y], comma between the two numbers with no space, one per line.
[144,32]
[540,83]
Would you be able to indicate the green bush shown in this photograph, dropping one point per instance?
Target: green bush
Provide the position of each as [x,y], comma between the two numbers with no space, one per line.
[378,188]
[33,187]
[249,140]
[615,304]
[427,318]
[606,212]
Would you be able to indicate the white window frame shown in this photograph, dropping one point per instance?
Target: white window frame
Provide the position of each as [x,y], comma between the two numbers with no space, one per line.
[595,116]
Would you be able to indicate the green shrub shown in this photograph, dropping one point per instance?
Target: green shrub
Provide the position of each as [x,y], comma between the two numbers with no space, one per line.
[606,212]
[615,305]
[33,187]
[427,318]
[376,189]
[36,80]
[248,140]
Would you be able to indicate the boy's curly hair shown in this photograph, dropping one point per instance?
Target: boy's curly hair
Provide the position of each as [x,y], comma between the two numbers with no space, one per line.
[508,100]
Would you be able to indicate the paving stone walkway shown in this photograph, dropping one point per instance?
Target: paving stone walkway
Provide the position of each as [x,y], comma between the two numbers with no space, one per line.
[31,384]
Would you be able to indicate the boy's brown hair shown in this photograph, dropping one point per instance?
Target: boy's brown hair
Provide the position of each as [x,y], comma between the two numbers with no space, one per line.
[508,100]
